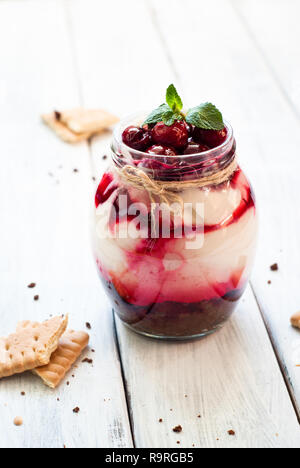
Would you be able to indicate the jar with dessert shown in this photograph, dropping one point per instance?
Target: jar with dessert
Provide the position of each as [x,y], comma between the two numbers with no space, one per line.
[175,222]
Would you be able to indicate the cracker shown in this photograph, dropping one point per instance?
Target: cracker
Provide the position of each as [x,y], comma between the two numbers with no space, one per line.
[84,120]
[31,346]
[62,131]
[295,320]
[70,346]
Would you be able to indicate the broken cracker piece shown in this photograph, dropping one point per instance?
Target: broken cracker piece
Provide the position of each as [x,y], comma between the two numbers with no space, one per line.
[295,320]
[70,347]
[31,346]
[62,131]
[82,120]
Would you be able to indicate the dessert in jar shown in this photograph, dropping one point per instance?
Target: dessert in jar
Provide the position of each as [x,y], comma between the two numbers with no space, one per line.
[175,222]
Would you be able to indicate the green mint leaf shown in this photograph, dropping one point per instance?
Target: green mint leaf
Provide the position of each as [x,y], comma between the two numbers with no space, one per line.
[205,116]
[173,99]
[157,114]
[169,118]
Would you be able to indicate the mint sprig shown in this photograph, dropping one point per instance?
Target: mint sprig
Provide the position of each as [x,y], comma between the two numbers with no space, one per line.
[169,112]
[173,99]
[205,116]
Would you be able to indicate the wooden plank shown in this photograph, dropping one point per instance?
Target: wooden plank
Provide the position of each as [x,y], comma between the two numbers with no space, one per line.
[44,238]
[277,40]
[224,379]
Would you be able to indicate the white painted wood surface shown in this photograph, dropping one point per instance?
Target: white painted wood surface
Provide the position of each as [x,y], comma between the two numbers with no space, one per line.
[44,238]
[65,52]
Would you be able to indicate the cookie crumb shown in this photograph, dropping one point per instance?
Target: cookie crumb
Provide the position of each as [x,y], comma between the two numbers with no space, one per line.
[76,410]
[18,421]
[231,432]
[57,115]
[274,267]
[36,298]
[177,429]
[89,361]
[31,285]
[88,325]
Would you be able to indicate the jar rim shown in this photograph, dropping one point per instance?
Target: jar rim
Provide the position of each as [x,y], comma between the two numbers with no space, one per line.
[138,118]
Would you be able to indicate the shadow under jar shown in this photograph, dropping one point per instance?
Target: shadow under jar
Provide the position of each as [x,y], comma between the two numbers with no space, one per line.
[174,238]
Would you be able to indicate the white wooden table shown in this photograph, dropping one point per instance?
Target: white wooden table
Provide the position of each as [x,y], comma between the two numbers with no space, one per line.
[120,55]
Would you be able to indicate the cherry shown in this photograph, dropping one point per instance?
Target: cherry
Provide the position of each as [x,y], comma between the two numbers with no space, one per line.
[194,148]
[212,138]
[136,138]
[105,189]
[175,135]
[153,165]
[161,150]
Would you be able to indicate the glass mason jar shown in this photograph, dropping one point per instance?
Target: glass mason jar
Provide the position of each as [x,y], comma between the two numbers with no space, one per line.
[174,237]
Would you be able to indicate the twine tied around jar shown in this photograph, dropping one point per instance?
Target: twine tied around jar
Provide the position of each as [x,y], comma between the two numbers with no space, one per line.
[168,192]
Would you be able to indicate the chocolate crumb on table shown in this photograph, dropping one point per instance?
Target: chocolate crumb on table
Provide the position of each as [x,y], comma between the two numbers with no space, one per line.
[76,410]
[274,267]
[104,157]
[178,442]
[36,298]
[231,432]
[88,325]
[177,429]
[57,115]
[89,361]
[23,393]
[269,282]
[31,285]
[160,420]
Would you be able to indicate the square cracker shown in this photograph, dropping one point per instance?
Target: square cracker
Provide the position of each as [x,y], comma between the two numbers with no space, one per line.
[70,346]
[87,120]
[62,131]
[31,346]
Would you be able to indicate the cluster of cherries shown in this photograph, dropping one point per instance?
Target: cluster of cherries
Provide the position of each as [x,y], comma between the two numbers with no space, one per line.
[178,138]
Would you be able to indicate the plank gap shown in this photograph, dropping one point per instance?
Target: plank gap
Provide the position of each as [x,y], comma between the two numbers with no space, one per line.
[272,71]
[162,39]
[281,365]
[125,386]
